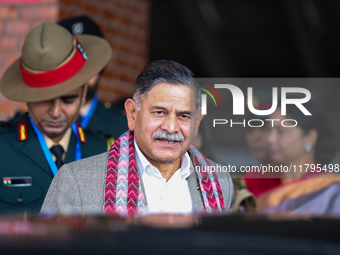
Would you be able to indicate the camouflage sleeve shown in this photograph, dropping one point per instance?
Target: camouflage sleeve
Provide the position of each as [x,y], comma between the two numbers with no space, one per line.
[244,200]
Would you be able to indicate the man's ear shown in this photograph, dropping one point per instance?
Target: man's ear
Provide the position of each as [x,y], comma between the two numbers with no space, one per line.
[131,113]
[198,120]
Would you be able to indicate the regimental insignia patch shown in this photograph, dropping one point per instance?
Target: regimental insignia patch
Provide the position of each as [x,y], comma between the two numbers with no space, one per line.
[81,133]
[22,130]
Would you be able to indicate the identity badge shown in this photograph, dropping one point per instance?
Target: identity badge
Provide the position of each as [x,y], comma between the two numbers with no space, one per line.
[18,181]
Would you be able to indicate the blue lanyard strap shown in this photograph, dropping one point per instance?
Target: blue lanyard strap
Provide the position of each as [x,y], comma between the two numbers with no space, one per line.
[46,150]
[88,116]
[75,131]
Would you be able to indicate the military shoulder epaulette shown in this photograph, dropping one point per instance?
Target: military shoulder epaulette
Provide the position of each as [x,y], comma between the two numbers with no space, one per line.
[22,131]
[81,133]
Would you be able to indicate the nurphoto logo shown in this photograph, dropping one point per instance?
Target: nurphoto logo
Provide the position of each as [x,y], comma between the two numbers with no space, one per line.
[239,104]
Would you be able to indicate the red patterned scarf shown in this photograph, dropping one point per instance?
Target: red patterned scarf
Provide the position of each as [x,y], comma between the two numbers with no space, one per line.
[123,192]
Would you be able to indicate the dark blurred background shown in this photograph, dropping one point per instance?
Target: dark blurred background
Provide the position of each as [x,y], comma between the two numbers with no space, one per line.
[252,39]
[247,38]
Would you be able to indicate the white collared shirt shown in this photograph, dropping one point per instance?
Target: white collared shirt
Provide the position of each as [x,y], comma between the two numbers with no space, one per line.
[162,196]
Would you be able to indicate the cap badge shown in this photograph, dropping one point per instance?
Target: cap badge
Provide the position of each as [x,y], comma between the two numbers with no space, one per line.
[77,28]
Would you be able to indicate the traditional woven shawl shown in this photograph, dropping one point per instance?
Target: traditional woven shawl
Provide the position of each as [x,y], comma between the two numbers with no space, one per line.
[123,192]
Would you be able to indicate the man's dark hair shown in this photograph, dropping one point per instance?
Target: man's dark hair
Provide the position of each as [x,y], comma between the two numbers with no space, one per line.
[164,71]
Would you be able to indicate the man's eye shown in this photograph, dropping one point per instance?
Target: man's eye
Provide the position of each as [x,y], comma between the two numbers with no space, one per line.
[185,116]
[159,112]
[68,100]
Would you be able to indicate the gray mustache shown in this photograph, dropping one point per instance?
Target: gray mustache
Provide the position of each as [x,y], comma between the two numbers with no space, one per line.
[167,136]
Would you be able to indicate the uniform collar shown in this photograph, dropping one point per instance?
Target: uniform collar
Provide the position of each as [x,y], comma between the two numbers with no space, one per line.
[63,142]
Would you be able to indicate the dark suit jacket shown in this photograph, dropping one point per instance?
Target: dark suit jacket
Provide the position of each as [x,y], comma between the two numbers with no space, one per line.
[26,159]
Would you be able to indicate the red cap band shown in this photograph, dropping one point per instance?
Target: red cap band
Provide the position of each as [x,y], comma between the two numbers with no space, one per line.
[58,75]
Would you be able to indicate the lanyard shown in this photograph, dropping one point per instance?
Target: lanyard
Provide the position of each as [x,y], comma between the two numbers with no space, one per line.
[78,152]
[46,150]
[88,116]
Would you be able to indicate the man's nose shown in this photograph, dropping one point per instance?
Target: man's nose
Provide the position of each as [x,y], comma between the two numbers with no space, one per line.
[55,108]
[272,136]
[170,124]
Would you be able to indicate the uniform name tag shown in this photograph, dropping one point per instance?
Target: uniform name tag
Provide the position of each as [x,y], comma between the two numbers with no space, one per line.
[19,181]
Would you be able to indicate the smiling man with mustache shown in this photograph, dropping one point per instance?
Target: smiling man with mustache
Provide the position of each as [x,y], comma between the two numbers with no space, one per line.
[151,168]
[50,77]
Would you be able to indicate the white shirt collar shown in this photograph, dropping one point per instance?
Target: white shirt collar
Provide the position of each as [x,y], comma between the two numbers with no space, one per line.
[143,163]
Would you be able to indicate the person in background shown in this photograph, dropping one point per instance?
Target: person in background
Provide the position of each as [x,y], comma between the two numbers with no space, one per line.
[257,142]
[203,140]
[120,105]
[151,168]
[102,119]
[244,201]
[51,77]
[312,185]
